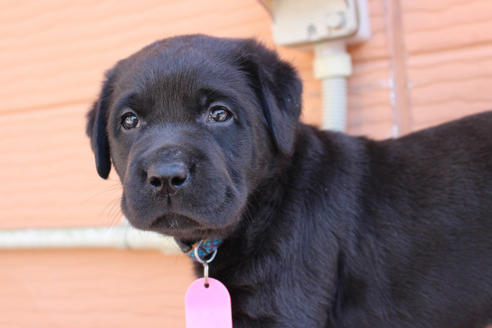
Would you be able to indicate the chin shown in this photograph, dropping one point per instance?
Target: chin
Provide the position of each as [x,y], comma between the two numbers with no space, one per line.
[182,227]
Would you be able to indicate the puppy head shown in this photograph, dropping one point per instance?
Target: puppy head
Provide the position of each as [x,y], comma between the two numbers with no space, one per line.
[192,125]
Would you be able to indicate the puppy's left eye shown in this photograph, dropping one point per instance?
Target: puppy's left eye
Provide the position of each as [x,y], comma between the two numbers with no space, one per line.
[219,114]
[129,121]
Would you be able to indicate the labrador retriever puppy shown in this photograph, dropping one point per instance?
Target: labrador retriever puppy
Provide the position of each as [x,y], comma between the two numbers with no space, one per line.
[319,229]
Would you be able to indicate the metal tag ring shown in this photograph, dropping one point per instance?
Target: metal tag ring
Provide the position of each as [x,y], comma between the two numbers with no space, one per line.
[197,257]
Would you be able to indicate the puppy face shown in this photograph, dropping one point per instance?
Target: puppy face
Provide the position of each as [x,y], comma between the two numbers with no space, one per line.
[192,126]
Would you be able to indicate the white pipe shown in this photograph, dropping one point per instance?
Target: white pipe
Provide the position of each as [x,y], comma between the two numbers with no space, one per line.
[334,98]
[332,64]
[119,237]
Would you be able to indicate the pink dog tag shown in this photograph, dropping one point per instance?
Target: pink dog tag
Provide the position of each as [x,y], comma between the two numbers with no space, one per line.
[208,307]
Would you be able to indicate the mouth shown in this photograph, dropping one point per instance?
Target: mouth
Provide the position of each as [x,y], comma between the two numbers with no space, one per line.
[183,228]
[170,223]
[186,231]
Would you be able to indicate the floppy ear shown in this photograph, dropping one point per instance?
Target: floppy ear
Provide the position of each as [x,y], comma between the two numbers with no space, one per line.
[97,119]
[278,89]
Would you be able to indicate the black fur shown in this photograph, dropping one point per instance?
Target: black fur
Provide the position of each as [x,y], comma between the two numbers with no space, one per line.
[96,127]
[320,229]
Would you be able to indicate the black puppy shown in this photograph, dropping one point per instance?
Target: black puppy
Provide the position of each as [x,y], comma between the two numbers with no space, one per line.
[320,229]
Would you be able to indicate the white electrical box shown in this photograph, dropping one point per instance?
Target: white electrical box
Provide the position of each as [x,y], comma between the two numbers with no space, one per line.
[298,22]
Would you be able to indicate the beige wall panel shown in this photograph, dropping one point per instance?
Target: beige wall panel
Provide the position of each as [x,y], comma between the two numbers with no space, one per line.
[81,289]
[448,85]
[446,24]
[48,172]
[369,109]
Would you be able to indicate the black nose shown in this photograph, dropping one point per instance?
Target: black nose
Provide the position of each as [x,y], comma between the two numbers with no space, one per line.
[168,176]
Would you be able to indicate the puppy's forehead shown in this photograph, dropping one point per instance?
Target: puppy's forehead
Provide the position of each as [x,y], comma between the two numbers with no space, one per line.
[170,72]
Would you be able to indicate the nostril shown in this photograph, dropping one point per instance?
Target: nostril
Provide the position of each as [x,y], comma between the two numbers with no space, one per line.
[179,181]
[167,177]
[155,182]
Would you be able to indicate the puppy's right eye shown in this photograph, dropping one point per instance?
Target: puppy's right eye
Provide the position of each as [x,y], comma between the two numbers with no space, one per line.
[219,114]
[129,121]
